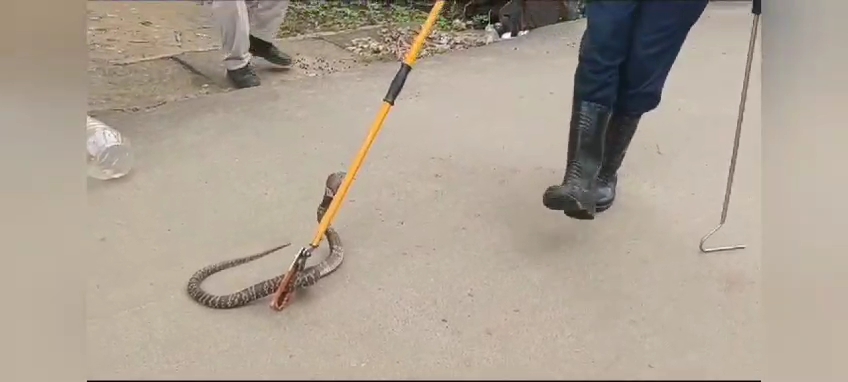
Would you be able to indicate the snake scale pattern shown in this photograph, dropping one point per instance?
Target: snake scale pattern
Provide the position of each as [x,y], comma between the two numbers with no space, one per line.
[306,278]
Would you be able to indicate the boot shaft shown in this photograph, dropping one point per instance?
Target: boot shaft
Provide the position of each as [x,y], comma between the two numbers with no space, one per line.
[620,133]
[587,132]
[587,137]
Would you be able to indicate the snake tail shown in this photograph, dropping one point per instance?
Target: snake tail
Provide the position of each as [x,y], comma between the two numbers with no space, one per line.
[306,278]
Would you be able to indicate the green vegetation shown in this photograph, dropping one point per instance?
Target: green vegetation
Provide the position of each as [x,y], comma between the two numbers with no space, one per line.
[330,16]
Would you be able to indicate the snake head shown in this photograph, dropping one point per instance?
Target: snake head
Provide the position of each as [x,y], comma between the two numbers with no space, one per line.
[334,181]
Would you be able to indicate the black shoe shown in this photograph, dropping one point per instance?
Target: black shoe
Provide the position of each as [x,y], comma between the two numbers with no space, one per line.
[577,194]
[267,50]
[244,77]
[619,134]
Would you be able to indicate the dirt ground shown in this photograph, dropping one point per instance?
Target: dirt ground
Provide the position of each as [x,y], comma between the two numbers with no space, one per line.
[122,32]
[145,54]
[129,43]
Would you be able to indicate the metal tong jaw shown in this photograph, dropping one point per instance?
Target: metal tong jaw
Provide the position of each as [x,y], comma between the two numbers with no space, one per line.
[285,291]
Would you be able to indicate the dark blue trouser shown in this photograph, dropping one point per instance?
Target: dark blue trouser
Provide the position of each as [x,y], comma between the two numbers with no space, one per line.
[628,50]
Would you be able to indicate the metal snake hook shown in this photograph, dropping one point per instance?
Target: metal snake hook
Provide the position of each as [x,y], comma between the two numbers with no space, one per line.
[736,139]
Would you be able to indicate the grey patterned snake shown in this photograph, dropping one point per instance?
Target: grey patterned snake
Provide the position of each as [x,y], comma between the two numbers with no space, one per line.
[306,278]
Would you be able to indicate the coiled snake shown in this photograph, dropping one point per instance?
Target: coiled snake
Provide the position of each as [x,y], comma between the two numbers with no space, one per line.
[306,278]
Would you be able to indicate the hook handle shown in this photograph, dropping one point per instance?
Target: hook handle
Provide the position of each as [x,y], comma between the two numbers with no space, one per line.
[737,138]
[717,249]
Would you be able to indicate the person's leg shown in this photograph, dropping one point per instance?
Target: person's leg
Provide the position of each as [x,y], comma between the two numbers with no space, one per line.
[231,17]
[603,49]
[265,17]
[658,35]
[620,131]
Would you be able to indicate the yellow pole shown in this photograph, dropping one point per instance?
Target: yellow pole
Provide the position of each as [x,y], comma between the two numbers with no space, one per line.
[284,291]
[377,126]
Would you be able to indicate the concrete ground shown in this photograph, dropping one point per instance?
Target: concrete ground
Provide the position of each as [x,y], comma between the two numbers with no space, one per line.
[454,268]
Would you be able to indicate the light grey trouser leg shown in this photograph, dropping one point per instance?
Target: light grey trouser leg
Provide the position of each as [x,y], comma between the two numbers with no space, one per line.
[266,16]
[238,19]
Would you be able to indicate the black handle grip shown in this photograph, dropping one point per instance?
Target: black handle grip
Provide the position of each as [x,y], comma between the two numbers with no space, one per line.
[757,7]
[397,84]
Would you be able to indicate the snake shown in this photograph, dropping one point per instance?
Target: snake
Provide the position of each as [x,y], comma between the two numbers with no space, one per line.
[308,277]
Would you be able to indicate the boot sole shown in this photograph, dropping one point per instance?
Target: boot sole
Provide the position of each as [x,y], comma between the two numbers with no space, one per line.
[603,207]
[570,206]
[282,63]
[244,86]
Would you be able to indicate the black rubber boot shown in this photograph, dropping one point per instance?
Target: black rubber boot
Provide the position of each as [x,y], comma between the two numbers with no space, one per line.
[244,77]
[577,194]
[267,50]
[619,134]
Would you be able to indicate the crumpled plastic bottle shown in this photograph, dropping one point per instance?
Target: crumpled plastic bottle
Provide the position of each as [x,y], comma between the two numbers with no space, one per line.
[109,152]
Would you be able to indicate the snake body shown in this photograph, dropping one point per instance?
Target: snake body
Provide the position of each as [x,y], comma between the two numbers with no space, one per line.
[306,278]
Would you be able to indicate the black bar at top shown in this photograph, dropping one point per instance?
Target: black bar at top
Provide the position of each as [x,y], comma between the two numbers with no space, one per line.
[397,84]
[757,7]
